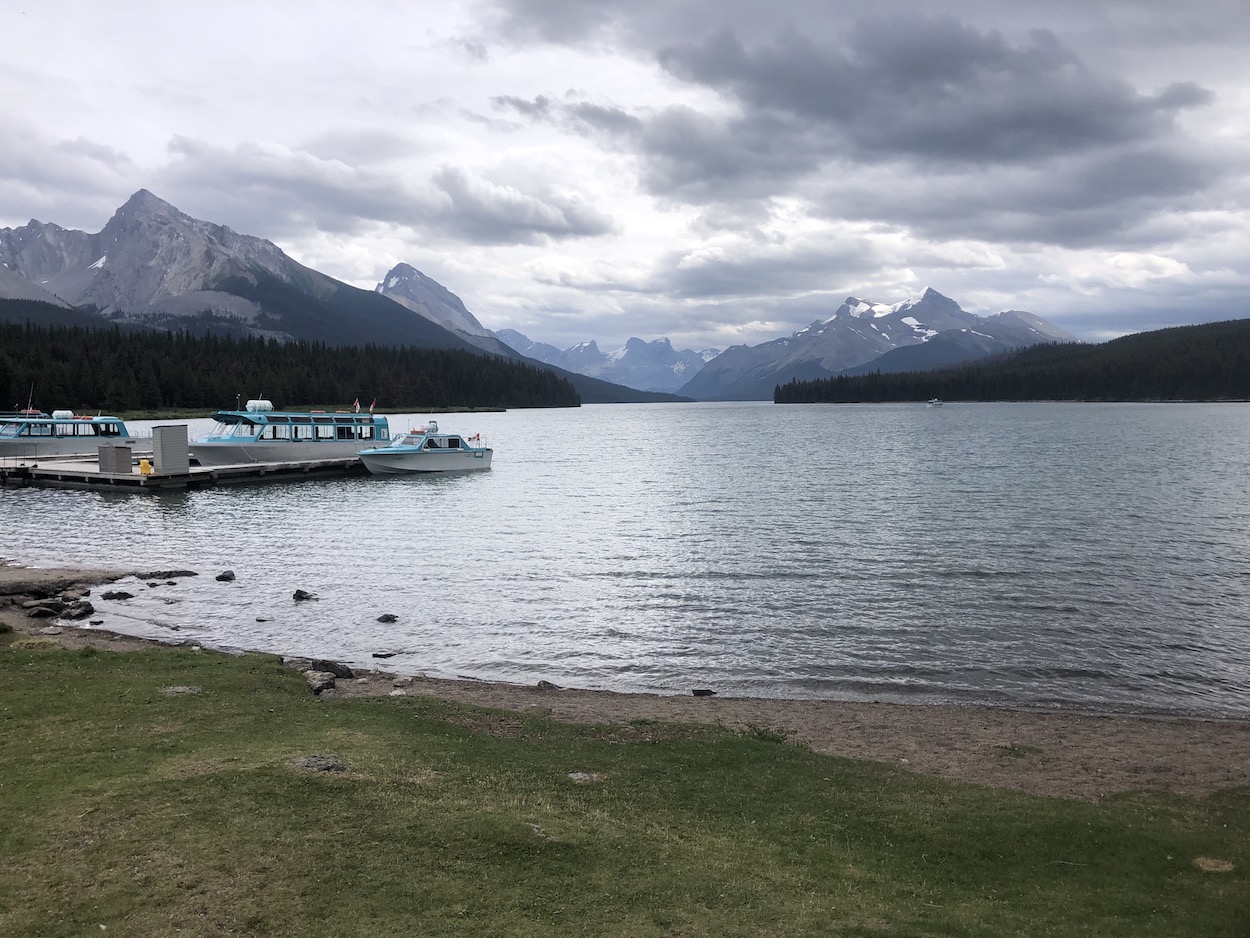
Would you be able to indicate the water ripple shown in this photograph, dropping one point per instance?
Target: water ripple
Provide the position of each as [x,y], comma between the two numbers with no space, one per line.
[1081,556]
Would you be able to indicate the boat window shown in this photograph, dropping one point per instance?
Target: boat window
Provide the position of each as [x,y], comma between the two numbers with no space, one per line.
[324,431]
[366,433]
[39,429]
[301,432]
[63,429]
[454,443]
[281,432]
[431,444]
[345,433]
[279,418]
[300,419]
[109,429]
[266,432]
[9,429]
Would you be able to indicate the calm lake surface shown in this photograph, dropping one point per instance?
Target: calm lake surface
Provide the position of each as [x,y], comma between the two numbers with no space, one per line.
[1076,556]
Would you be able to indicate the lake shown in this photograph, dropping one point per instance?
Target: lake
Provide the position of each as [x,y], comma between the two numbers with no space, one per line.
[1076,556]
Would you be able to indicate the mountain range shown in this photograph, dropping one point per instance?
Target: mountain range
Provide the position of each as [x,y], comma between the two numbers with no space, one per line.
[920,333]
[649,366]
[152,266]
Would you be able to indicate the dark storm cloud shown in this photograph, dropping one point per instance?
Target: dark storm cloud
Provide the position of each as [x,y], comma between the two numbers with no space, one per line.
[992,138]
[1110,198]
[935,89]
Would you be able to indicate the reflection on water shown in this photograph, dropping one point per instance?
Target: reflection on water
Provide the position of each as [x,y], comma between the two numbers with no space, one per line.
[1088,556]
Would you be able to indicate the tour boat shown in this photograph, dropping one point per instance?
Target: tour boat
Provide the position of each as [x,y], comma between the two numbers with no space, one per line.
[425,449]
[33,434]
[259,433]
[935,402]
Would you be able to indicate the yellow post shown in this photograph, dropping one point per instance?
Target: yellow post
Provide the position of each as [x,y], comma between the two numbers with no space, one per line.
[145,467]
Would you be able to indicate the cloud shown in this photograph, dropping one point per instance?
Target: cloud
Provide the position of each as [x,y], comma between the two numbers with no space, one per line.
[935,89]
[283,192]
[539,107]
[72,182]
[489,213]
[1113,197]
[927,124]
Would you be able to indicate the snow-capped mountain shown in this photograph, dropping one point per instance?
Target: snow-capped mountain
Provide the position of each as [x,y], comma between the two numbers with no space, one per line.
[152,265]
[649,366]
[924,331]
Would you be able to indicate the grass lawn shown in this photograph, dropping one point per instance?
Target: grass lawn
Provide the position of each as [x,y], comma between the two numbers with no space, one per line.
[150,812]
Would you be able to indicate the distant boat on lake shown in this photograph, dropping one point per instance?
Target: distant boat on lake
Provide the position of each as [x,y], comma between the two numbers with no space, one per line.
[935,402]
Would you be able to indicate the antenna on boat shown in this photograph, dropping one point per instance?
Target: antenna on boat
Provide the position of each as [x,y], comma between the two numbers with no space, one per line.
[31,398]
[236,401]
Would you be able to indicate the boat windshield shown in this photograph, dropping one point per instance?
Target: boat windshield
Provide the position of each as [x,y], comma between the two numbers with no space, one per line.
[241,428]
[10,428]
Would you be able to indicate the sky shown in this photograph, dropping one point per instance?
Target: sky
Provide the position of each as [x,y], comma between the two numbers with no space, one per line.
[719,172]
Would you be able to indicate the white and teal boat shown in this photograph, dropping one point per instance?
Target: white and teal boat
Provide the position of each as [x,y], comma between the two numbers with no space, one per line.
[259,433]
[33,434]
[425,449]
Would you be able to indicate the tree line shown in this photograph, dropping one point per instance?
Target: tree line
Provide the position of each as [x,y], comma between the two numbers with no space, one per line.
[110,369]
[1209,362]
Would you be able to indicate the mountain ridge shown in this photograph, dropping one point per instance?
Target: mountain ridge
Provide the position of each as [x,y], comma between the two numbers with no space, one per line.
[865,336]
[651,366]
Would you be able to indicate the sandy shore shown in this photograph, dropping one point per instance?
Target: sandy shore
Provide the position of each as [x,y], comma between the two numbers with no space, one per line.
[1065,755]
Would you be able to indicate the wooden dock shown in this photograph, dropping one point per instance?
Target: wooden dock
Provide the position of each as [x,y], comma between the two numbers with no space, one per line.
[84,473]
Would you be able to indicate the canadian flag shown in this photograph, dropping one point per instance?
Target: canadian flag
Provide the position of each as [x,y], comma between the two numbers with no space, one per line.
[357,405]
[371,406]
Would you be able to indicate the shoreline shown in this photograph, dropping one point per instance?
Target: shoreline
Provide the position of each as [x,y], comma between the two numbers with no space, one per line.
[1064,754]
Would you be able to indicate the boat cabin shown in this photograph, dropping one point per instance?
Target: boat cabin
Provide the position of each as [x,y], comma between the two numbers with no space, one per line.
[261,423]
[428,437]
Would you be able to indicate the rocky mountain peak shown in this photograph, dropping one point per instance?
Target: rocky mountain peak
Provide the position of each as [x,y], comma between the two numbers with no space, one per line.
[427,297]
[143,209]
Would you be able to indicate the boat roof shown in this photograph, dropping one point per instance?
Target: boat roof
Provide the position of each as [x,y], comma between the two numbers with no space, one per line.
[304,416]
[57,415]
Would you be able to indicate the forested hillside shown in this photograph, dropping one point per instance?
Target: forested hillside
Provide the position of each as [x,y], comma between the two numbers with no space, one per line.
[115,370]
[1187,363]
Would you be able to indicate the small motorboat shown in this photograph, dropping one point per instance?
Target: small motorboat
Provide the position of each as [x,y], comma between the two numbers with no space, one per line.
[935,402]
[425,449]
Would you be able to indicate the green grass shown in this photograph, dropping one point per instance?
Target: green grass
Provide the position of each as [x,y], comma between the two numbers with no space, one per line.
[181,814]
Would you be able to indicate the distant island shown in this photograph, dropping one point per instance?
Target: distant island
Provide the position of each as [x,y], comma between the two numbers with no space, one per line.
[1209,362]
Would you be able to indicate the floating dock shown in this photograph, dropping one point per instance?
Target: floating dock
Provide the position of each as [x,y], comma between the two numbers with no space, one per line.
[85,473]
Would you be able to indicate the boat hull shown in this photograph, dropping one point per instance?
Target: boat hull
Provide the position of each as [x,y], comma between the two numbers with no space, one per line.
[389,462]
[208,453]
[54,447]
